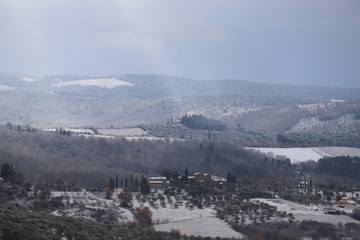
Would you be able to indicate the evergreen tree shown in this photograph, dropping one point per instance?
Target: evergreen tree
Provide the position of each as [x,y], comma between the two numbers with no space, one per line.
[7,171]
[117,182]
[201,122]
[144,186]
[136,185]
[111,184]
[230,178]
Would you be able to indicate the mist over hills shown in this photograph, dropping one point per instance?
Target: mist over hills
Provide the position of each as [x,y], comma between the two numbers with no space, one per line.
[159,86]
[251,110]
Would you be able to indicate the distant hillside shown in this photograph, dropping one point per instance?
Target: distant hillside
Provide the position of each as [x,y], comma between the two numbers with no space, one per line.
[40,155]
[160,86]
[251,111]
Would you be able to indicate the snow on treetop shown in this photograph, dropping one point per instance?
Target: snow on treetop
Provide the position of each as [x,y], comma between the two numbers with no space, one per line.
[98,82]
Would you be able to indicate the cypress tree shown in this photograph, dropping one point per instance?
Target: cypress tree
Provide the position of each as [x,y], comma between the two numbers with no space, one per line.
[186,172]
[111,183]
[144,186]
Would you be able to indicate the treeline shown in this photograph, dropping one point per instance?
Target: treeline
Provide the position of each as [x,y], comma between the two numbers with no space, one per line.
[337,110]
[200,122]
[336,173]
[319,139]
[343,166]
[265,169]
[49,157]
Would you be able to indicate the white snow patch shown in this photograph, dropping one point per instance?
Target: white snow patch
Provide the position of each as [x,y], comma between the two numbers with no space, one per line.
[27,79]
[108,83]
[212,227]
[304,154]
[90,202]
[197,222]
[313,106]
[294,154]
[6,88]
[73,130]
[341,151]
[96,136]
[338,100]
[302,212]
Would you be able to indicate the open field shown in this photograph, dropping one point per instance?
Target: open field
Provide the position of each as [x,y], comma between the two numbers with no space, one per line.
[304,154]
[212,227]
[302,212]
[294,154]
[85,204]
[341,151]
[184,219]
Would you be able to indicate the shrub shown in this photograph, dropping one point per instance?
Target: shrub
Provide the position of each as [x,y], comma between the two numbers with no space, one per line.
[175,232]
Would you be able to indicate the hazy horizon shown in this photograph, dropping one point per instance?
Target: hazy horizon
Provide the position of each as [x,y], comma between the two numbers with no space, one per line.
[313,43]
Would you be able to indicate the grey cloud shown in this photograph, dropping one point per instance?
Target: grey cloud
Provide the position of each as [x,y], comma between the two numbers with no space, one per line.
[296,42]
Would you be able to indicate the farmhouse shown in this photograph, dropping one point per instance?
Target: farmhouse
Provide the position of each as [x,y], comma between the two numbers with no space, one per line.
[347,201]
[202,177]
[218,180]
[158,182]
[197,178]
[305,185]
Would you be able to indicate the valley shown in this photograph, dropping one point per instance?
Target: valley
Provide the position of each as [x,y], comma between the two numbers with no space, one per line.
[288,154]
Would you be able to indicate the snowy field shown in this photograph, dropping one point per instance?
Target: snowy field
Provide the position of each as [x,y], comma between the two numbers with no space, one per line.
[341,151]
[294,154]
[96,136]
[304,154]
[6,88]
[108,83]
[302,212]
[197,222]
[212,227]
[131,132]
[89,203]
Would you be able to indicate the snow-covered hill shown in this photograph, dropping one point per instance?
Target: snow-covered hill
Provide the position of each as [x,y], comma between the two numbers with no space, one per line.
[343,124]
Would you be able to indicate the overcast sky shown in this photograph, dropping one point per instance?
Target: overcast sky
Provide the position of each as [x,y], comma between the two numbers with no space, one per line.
[313,42]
